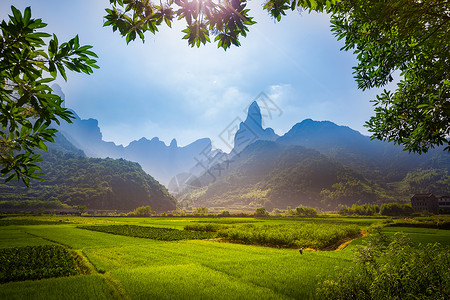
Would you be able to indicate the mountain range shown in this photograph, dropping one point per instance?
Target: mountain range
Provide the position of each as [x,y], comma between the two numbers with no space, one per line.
[162,161]
[315,163]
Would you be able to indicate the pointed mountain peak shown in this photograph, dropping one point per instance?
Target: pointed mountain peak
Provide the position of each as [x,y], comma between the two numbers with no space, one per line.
[251,129]
[57,90]
[254,115]
[173,144]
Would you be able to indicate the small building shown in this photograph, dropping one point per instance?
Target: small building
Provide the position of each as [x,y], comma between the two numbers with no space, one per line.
[425,202]
[444,204]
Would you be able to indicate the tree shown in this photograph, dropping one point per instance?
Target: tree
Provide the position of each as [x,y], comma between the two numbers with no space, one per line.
[142,211]
[385,39]
[201,210]
[306,211]
[227,20]
[381,33]
[81,208]
[27,104]
[395,209]
[261,212]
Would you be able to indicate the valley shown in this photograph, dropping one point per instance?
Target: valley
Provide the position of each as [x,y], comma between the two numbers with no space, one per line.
[315,164]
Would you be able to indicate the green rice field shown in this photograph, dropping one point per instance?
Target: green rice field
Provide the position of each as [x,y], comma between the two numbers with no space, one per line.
[238,258]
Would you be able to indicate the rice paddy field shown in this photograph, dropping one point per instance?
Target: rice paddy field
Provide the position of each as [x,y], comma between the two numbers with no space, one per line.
[180,258]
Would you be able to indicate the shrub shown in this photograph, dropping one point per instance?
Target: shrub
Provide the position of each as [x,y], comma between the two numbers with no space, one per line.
[395,209]
[261,212]
[225,213]
[208,227]
[143,211]
[155,233]
[312,235]
[306,211]
[36,262]
[392,269]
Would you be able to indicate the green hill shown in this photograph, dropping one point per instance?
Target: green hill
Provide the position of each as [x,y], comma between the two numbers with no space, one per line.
[96,183]
[276,176]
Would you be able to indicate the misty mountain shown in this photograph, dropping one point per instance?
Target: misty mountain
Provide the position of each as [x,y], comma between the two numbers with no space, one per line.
[73,179]
[251,130]
[274,175]
[156,158]
[317,164]
[374,159]
[61,144]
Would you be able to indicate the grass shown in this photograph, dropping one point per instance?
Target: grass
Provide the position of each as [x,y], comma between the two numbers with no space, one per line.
[283,272]
[21,221]
[80,239]
[141,268]
[75,287]
[189,281]
[422,235]
[11,237]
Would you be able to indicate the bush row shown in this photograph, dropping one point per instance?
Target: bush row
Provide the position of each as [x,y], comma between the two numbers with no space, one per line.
[392,269]
[38,262]
[309,235]
[154,233]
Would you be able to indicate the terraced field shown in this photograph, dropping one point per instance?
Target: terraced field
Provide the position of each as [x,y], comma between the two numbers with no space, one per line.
[123,266]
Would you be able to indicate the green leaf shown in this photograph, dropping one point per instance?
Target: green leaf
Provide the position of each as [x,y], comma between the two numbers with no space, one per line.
[27,15]
[43,146]
[17,15]
[62,71]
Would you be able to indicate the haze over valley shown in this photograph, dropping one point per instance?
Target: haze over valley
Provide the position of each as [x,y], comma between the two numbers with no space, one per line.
[315,164]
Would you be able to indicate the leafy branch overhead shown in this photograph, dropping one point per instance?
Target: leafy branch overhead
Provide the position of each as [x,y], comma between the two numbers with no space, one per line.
[227,20]
[410,37]
[27,105]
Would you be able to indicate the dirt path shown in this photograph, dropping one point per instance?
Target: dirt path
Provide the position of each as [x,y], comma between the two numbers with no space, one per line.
[341,244]
[363,233]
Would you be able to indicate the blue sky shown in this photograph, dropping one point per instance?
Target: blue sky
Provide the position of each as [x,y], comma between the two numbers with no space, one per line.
[166,89]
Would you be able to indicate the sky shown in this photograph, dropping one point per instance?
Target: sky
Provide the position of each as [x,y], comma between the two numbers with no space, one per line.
[164,88]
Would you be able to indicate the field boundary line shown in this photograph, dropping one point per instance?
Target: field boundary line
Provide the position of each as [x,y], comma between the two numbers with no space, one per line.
[115,288]
[362,234]
[281,295]
[47,239]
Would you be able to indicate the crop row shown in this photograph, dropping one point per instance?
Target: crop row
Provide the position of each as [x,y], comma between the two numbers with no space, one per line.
[205,227]
[308,235]
[154,233]
[8,222]
[38,262]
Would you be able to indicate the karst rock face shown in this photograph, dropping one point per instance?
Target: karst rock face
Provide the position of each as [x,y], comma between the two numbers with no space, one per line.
[251,130]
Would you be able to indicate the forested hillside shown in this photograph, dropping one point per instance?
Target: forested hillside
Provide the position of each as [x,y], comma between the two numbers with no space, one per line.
[376,160]
[276,176]
[96,183]
[272,175]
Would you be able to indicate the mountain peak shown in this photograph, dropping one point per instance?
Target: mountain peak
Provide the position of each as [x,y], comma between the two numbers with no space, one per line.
[57,90]
[251,129]
[254,115]
[173,144]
